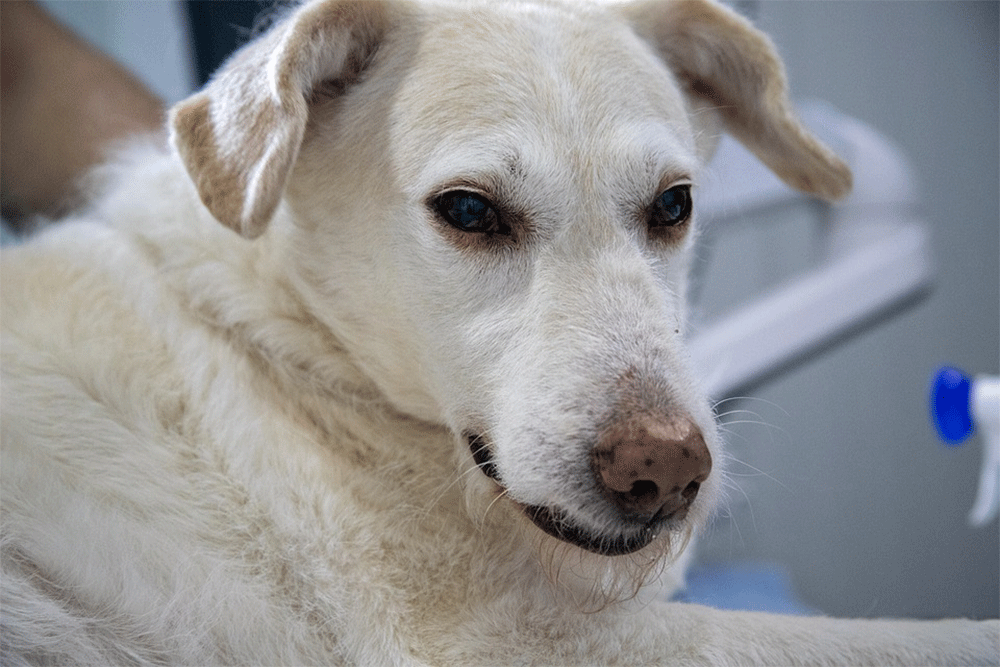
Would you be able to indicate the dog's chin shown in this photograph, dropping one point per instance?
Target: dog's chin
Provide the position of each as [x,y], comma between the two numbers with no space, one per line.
[554,522]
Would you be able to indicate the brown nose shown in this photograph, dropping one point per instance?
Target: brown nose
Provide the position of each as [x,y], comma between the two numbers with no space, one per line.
[652,468]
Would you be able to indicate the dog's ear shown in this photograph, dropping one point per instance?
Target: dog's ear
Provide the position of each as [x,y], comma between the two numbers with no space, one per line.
[240,136]
[718,55]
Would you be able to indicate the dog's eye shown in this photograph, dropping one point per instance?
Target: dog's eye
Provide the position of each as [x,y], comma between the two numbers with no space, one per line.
[672,208]
[469,212]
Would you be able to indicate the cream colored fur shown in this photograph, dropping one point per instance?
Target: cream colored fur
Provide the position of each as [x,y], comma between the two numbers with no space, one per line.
[251,448]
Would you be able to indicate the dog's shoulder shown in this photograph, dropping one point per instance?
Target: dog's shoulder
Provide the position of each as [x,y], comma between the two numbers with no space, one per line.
[180,435]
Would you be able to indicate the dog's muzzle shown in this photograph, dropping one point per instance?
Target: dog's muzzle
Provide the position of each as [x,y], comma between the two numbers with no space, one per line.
[649,474]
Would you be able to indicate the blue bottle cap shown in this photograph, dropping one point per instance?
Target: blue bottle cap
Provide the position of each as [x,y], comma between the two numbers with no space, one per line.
[950,405]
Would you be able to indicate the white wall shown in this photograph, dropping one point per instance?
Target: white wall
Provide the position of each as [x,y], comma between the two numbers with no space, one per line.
[854,492]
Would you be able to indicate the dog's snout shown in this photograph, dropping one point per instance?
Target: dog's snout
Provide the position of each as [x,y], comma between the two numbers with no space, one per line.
[650,468]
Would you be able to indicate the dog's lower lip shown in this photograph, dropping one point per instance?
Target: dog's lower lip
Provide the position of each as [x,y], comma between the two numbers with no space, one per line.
[557,526]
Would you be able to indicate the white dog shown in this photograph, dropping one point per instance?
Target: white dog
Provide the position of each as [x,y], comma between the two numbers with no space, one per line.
[422,397]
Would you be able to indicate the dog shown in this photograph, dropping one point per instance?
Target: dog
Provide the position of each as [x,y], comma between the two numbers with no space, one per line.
[380,359]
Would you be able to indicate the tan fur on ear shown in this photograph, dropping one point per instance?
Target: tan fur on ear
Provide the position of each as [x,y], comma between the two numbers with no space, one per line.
[721,57]
[240,136]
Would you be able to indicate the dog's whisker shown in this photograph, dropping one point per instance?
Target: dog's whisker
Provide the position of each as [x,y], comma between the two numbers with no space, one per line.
[722,418]
[738,411]
[456,479]
[757,399]
[732,485]
[757,473]
[739,422]
[493,502]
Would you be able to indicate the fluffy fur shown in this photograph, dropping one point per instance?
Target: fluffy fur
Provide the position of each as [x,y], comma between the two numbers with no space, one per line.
[249,442]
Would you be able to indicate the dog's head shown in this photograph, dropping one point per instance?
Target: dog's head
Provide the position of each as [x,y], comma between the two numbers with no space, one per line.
[493,206]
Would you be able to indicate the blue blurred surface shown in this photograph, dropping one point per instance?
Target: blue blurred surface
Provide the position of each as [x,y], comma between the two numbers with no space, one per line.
[744,587]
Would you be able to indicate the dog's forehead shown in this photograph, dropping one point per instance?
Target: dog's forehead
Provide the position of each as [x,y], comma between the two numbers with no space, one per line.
[492,82]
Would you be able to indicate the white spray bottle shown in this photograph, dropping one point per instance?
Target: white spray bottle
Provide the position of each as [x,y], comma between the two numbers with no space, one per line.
[961,406]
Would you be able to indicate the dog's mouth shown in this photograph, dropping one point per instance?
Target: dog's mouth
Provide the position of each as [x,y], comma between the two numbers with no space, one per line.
[557,524]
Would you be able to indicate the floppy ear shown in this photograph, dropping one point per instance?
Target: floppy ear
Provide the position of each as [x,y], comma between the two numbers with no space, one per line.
[240,136]
[719,56]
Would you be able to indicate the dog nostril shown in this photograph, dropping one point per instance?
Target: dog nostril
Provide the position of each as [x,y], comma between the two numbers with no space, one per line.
[649,468]
[643,490]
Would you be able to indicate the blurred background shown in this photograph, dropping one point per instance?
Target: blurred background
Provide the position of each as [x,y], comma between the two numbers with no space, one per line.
[843,482]
[855,494]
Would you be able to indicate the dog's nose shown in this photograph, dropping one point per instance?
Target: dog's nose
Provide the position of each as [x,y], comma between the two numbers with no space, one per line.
[652,468]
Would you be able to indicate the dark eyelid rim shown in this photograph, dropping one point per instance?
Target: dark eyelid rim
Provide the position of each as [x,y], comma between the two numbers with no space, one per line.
[435,199]
[462,185]
[670,234]
[515,224]
[673,181]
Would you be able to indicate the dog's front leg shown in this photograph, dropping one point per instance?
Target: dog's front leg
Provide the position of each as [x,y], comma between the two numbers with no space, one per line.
[743,638]
[687,635]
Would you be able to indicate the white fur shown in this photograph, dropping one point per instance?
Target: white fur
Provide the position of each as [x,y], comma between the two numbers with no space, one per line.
[218,450]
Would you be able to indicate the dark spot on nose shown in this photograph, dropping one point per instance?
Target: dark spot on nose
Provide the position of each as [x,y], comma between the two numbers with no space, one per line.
[647,467]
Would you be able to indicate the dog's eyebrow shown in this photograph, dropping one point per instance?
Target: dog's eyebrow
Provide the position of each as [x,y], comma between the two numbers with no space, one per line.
[651,151]
[496,172]
[474,161]
[664,154]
